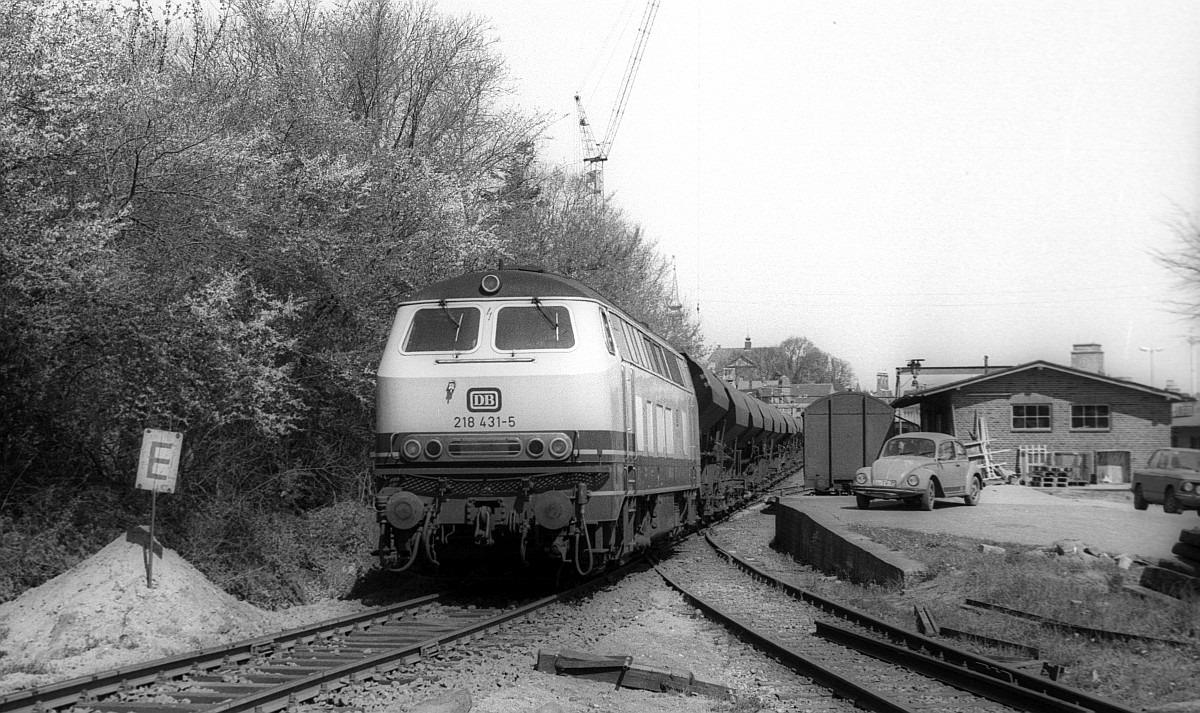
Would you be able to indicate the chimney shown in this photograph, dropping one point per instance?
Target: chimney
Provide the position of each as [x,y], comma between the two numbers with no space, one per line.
[882,381]
[1087,357]
[747,341]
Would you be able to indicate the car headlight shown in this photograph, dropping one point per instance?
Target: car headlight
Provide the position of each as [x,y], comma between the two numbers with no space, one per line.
[1188,486]
[914,480]
[861,478]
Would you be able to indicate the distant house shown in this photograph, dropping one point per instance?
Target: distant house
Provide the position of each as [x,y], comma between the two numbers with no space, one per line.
[742,369]
[1045,413]
[792,399]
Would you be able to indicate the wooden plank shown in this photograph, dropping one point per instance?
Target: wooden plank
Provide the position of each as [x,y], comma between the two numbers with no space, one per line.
[623,672]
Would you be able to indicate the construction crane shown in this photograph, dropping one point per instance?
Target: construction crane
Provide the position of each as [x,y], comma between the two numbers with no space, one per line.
[596,153]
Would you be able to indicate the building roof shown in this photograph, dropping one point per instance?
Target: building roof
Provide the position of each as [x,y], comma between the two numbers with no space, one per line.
[919,396]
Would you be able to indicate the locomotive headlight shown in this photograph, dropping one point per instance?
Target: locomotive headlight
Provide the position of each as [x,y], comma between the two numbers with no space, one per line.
[433,448]
[411,449]
[560,447]
[861,478]
[490,284]
[914,480]
[535,447]
[1188,486]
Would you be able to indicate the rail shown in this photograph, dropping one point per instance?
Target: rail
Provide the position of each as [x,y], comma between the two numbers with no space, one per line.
[965,669]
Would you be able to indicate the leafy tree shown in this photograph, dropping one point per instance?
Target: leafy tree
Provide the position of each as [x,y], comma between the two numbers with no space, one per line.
[563,227]
[206,221]
[801,361]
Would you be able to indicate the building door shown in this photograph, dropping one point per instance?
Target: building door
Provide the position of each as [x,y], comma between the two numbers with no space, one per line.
[1113,466]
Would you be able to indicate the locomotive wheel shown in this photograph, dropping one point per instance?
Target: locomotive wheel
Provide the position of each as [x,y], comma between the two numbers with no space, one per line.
[862,501]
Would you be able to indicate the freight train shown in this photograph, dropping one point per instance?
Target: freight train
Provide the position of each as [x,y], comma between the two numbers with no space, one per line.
[520,412]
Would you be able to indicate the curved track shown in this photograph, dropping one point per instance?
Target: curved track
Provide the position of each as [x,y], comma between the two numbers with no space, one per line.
[875,665]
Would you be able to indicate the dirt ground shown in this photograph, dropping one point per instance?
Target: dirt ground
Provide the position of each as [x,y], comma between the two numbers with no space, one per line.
[101,614]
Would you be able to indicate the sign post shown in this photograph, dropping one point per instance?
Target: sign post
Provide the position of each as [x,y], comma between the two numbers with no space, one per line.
[158,469]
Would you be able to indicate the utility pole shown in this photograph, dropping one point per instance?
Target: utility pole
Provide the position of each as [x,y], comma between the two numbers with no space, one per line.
[1192,342]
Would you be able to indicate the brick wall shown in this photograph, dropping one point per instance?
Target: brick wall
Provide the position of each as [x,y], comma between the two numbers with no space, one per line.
[1140,422]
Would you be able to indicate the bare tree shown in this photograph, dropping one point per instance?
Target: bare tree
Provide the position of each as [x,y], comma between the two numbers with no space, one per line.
[1184,264]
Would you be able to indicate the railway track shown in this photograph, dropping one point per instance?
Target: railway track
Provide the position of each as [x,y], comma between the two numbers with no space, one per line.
[272,672]
[864,661]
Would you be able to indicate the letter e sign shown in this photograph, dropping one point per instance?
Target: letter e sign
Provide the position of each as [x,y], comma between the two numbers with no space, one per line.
[158,465]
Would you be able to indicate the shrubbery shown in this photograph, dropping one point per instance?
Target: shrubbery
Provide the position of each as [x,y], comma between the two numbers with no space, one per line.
[206,222]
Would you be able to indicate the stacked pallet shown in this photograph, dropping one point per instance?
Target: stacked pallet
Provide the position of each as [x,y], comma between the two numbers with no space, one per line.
[1179,577]
[1051,476]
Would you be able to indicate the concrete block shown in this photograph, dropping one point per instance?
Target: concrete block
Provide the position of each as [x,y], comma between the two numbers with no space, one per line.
[822,541]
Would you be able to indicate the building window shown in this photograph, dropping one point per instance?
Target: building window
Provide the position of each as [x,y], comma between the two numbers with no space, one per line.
[1089,417]
[1031,417]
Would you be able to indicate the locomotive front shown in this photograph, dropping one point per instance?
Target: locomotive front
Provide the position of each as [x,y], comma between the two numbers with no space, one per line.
[498,412]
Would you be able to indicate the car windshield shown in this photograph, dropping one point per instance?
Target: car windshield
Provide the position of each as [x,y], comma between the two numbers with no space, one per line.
[909,447]
[1189,461]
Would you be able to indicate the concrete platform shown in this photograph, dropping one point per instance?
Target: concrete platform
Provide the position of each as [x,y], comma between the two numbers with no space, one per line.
[813,528]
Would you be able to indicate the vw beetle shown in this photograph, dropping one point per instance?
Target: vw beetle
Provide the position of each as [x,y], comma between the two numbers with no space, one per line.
[918,467]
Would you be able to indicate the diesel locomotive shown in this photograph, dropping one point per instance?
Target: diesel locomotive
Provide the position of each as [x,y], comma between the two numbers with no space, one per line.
[521,412]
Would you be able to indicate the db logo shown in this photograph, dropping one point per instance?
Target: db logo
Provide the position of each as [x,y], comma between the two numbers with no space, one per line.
[485,400]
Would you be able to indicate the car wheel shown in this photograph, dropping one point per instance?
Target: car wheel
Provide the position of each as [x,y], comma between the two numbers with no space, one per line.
[863,501]
[972,496]
[927,496]
[1170,504]
[1139,500]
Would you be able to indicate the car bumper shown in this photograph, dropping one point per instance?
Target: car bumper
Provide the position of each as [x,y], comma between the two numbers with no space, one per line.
[887,493]
[1188,500]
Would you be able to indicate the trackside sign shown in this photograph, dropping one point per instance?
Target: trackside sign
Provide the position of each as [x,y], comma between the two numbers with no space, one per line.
[158,466]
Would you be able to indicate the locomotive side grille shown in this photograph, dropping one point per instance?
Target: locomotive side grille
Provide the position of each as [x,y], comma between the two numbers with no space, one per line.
[489,448]
[501,486]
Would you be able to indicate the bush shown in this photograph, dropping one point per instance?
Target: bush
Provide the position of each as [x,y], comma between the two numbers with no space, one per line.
[278,559]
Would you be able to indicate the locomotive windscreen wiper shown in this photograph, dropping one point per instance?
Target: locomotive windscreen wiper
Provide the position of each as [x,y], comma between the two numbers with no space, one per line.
[450,316]
[553,322]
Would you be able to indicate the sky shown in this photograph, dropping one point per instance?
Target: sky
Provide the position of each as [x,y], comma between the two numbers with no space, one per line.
[938,180]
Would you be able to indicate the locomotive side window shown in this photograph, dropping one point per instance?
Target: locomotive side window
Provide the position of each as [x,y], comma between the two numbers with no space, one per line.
[618,335]
[536,327]
[674,364]
[443,329]
[658,364]
[608,334]
[632,339]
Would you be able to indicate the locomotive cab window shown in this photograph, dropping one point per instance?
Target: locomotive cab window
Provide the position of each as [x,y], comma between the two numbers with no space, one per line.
[536,327]
[443,329]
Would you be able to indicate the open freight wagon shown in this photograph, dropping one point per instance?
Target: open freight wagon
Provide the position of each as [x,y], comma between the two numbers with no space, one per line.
[842,433]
